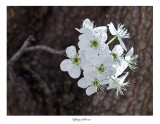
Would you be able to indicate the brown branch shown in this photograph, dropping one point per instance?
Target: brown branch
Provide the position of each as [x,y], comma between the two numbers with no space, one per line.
[18,54]
[45,48]
[25,49]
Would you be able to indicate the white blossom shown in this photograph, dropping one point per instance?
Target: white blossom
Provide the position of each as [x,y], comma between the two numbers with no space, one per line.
[72,65]
[91,40]
[92,83]
[120,33]
[101,66]
[131,59]
[119,84]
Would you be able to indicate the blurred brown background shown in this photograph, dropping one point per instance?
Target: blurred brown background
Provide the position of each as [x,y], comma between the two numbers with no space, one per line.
[41,88]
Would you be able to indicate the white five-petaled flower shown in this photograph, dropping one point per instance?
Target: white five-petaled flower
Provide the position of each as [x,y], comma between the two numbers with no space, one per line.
[92,82]
[131,59]
[71,65]
[120,33]
[92,39]
[101,67]
[119,84]
[92,44]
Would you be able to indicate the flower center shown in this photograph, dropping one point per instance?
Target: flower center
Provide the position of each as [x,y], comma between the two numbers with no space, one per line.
[95,82]
[94,43]
[101,68]
[76,60]
[114,55]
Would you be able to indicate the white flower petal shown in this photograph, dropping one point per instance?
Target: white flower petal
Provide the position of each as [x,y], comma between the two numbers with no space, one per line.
[71,51]
[122,43]
[112,29]
[104,82]
[117,49]
[90,35]
[82,44]
[110,70]
[101,76]
[113,85]
[85,64]
[74,71]
[104,37]
[87,24]
[82,37]
[83,83]
[100,29]
[66,65]
[82,30]
[120,68]
[129,54]
[108,88]
[88,67]
[90,90]
[89,75]
[104,51]
[78,30]
[117,92]
[101,46]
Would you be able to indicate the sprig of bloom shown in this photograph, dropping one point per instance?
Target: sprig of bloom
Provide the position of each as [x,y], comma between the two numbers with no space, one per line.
[100,65]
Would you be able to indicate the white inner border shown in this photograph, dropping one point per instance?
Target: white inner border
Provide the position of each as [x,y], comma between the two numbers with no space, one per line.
[4,119]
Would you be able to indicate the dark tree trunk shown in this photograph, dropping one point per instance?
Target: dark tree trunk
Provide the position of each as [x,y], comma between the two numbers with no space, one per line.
[41,88]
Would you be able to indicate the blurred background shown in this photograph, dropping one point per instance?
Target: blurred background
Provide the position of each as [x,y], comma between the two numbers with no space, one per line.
[41,88]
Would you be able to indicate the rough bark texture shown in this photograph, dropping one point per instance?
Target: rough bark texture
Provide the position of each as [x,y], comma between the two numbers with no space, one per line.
[41,88]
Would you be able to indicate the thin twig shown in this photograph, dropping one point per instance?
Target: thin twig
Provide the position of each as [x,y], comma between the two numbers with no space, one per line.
[45,48]
[18,54]
[24,49]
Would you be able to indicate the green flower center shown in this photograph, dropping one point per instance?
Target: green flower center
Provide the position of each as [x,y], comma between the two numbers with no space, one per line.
[114,55]
[101,68]
[94,43]
[95,82]
[76,60]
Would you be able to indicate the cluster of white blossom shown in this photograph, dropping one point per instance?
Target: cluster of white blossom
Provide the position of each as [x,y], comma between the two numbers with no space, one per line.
[100,65]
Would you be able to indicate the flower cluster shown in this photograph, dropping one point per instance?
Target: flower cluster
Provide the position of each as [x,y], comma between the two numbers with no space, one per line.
[101,66]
